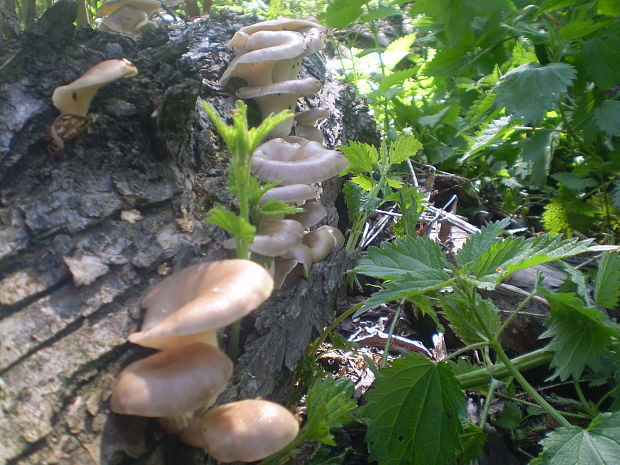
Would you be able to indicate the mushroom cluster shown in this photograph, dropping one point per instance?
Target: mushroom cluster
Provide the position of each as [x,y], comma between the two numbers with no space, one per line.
[128,16]
[73,100]
[180,383]
[266,70]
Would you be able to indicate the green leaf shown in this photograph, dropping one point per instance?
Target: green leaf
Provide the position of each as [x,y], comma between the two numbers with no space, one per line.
[602,60]
[607,281]
[359,202]
[329,403]
[531,90]
[341,13]
[615,195]
[573,182]
[430,121]
[361,157]
[509,255]
[608,7]
[402,257]
[409,285]
[537,152]
[467,322]
[234,225]
[277,207]
[607,117]
[403,148]
[413,414]
[365,182]
[379,13]
[579,335]
[395,79]
[480,242]
[473,439]
[599,444]
[582,27]
[495,131]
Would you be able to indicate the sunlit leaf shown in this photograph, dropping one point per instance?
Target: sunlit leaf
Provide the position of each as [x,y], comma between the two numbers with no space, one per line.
[607,281]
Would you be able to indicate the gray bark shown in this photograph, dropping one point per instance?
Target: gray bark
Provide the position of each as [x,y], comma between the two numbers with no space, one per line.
[72,272]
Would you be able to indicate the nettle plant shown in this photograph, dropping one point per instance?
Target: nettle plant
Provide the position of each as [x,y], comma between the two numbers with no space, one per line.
[521,95]
[416,410]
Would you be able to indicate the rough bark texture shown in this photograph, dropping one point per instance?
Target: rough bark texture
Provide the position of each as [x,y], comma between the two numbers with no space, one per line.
[72,271]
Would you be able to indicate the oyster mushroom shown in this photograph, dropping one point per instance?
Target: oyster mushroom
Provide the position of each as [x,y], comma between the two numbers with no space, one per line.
[279,96]
[312,214]
[296,160]
[274,238]
[73,100]
[191,304]
[172,383]
[128,16]
[305,120]
[293,193]
[247,430]
[323,241]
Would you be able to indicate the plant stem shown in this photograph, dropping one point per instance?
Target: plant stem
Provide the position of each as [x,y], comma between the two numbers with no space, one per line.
[516,374]
[314,347]
[388,341]
[514,314]
[462,350]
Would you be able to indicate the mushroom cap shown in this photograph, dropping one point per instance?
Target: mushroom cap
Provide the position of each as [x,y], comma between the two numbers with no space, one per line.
[172,382]
[274,238]
[75,97]
[286,263]
[311,116]
[200,299]
[148,6]
[309,132]
[247,430]
[312,214]
[282,24]
[296,160]
[323,241]
[127,20]
[293,193]
[261,53]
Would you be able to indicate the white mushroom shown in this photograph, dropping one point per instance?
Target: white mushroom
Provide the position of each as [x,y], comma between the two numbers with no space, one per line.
[293,193]
[296,160]
[247,430]
[274,238]
[128,16]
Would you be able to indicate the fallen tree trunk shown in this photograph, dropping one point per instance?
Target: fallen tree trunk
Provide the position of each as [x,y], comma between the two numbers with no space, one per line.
[84,234]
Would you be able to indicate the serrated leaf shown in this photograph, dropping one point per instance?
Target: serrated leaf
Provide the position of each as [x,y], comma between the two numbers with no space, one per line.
[402,257]
[395,79]
[531,90]
[599,444]
[607,281]
[467,324]
[277,207]
[579,335]
[504,257]
[496,130]
[537,152]
[364,182]
[361,157]
[480,242]
[403,148]
[573,182]
[412,414]
[607,117]
[602,60]
[407,286]
[329,403]
[430,121]
[473,439]
[379,13]
[234,225]
[341,13]
[358,201]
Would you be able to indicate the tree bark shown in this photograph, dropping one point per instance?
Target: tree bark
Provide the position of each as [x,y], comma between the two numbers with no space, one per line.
[73,266]
[9,22]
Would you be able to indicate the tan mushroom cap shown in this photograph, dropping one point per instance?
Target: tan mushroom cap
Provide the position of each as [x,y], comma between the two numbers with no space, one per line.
[190,433]
[262,53]
[293,193]
[312,214]
[288,263]
[323,241]
[127,20]
[248,430]
[296,160]
[192,303]
[148,6]
[274,238]
[282,24]
[274,98]
[172,382]
[75,97]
